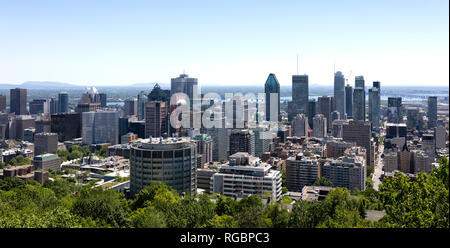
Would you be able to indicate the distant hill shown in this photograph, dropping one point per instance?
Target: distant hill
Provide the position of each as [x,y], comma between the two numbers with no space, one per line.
[41,85]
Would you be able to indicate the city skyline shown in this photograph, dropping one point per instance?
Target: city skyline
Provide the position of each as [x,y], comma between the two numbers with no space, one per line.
[224,43]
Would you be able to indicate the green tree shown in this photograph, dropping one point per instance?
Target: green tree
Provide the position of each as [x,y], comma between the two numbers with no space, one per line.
[222,221]
[148,217]
[249,212]
[323,181]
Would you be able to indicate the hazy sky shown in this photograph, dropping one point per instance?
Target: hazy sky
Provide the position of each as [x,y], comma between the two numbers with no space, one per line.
[223,42]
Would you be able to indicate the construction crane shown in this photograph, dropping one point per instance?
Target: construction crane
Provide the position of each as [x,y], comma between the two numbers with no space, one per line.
[346,78]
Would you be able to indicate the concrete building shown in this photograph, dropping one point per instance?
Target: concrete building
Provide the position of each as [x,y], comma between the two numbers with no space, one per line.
[28,134]
[172,161]
[346,172]
[339,93]
[54,105]
[204,147]
[300,93]
[242,140]
[324,107]
[440,137]
[23,122]
[246,175]
[320,126]
[45,142]
[414,120]
[360,133]
[337,128]
[130,107]
[335,148]
[301,170]
[100,127]
[300,125]
[421,161]
[39,106]
[204,178]
[390,161]
[18,101]
[156,121]
[127,138]
[47,161]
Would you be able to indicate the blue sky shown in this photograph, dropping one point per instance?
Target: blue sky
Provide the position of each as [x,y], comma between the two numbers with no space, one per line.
[223,42]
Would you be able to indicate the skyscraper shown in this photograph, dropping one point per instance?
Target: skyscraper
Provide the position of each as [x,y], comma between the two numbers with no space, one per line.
[324,106]
[63,99]
[45,142]
[432,111]
[300,125]
[360,133]
[349,101]
[242,140]
[66,125]
[39,106]
[156,120]
[141,101]
[395,114]
[18,101]
[299,95]
[130,107]
[2,104]
[272,86]
[311,111]
[320,126]
[54,105]
[358,104]
[360,83]
[184,84]
[100,127]
[375,105]
[103,100]
[339,93]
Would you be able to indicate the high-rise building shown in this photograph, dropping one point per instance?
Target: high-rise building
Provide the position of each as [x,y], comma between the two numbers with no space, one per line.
[395,110]
[349,101]
[39,106]
[130,107]
[335,115]
[2,103]
[272,86]
[301,170]
[123,126]
[184,84]
[137,127]
[47,161]
[300,125]
[100,127]
[432,111]
[45,142]
[54,106]
[360,83]
[90,101]
[358,104]
[359,132]
[244,176]
[413,118]
[103,100]
[346,172]
[311,112]
[18,101]
[320,126]
[324,107]
[172,161]
[141,101]
[440,137]
[394,130]
[242,140]
[63,100]
[300,92]
[205,147]
[339,93]
[43,124]
[156,120]
[23,122]
[66,125]
[375,105]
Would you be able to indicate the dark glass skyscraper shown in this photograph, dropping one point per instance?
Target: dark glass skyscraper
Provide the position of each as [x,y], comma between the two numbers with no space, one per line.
[299,95]
[18,101]
[272,86]
[358,104]
[432,111]
[325,107]
[395,114]
[311,112]
[63,99]
[349,101]
[339,93]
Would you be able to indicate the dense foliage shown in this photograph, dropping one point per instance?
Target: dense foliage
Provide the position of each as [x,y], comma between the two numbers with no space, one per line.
[62,203]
